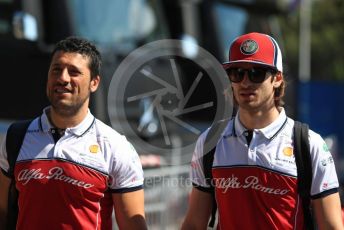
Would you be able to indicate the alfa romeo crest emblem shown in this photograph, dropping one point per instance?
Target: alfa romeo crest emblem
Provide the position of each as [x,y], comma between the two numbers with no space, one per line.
[249,47]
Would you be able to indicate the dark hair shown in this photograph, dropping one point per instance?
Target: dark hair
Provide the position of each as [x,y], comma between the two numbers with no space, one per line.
[279,93]
[84,47]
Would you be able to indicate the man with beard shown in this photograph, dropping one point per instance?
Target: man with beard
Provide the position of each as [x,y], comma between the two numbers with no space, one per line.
[255,175]
[72,170]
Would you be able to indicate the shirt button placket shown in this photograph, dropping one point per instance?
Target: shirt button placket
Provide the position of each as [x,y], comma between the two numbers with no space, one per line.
[252,151]
[251,155]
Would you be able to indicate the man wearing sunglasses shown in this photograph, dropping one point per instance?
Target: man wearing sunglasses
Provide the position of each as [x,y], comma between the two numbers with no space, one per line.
[254,170]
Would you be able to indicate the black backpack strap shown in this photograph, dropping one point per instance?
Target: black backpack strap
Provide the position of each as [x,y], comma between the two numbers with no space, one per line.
[208,159]
[304,170]
[207,166]
[14,140]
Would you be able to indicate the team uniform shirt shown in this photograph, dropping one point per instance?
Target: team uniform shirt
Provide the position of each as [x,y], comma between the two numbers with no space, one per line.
[258,181]
[67,183]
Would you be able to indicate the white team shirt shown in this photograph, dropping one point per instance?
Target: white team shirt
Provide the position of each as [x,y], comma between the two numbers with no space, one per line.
[259,181]
[68,184]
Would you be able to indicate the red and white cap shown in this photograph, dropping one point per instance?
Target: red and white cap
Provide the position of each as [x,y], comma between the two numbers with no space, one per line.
[255,48]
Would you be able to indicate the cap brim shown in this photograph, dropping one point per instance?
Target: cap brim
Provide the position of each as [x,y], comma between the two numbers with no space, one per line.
[227,65]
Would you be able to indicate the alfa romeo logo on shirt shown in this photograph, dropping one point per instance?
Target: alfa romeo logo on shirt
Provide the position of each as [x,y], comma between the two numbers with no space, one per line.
[249,47]
[161,99]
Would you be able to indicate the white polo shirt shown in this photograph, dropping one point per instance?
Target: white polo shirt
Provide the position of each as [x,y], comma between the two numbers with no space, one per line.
[68,184]
[259,181]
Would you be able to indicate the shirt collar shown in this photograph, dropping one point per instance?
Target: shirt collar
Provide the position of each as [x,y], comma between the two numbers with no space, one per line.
[276,126]
[238,128]
[269,131]
[78,130]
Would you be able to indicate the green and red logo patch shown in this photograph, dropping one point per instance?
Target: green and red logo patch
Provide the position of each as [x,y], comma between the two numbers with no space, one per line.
[249,47]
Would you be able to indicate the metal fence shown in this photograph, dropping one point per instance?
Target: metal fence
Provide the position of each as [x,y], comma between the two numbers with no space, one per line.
[166,196]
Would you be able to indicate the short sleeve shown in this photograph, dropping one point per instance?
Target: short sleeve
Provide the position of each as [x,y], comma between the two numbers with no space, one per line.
[3,156]
[324,172]
[197,171]
[126,172]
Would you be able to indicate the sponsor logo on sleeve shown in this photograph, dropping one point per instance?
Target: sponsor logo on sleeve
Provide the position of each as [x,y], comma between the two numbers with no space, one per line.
[329,185]
[327,161]
[193,164]
[325,147]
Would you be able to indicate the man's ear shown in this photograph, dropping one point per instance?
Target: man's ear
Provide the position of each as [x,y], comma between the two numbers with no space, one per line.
[94,83]
[278,79]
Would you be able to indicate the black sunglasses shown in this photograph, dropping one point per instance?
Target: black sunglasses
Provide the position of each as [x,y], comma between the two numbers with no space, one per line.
[256,74]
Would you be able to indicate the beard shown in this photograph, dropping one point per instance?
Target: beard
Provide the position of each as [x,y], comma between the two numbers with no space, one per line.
[69,108]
